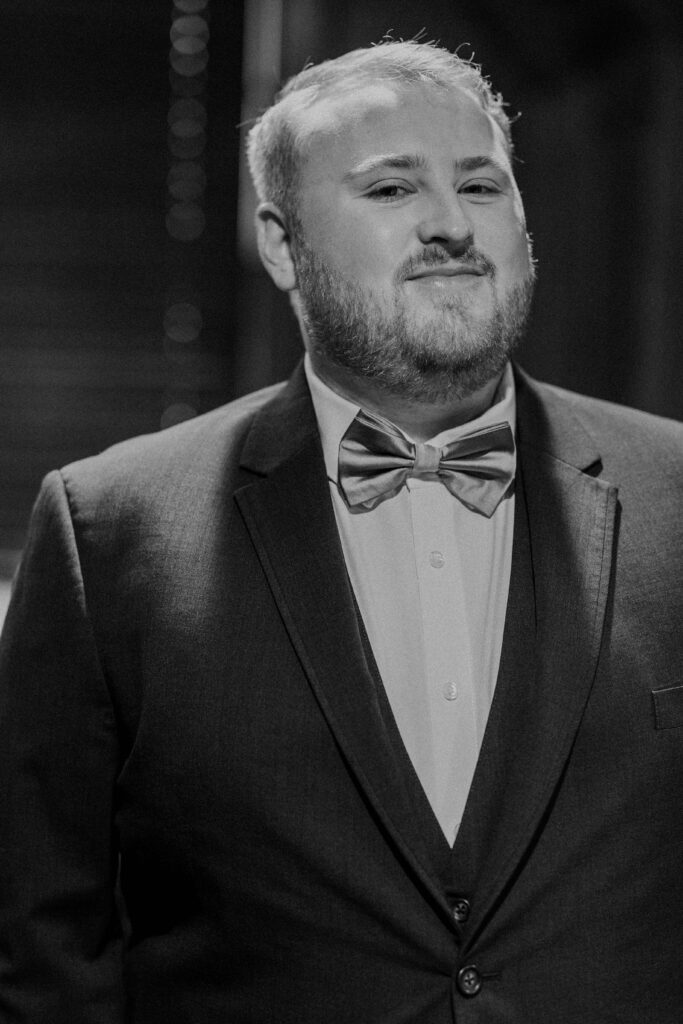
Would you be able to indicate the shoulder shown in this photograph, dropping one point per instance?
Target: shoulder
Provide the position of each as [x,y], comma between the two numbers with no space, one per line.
[173,480]
[196,455]
[609,420]
[629,442]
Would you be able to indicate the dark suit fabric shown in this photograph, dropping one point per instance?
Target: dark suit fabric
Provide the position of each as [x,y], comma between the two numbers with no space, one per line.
[184,678]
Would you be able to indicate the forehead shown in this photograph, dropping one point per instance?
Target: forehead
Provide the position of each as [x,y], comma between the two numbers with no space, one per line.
[337,132]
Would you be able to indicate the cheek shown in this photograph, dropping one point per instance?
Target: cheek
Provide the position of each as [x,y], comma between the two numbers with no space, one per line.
[519,234]
[358,254]
[512,251]
[350,240]
[319,222]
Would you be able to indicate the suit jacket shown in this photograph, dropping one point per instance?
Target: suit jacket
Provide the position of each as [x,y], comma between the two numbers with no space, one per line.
[185,682]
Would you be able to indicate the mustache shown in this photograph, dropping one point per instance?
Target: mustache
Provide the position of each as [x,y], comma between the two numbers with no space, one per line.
[436,256]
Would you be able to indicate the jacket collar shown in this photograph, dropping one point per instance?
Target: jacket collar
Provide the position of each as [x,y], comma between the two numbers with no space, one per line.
[562,572]
[282,428]
[546,423]
[287,510]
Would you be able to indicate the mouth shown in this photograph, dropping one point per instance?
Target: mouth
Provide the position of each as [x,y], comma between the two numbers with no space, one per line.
[447,270]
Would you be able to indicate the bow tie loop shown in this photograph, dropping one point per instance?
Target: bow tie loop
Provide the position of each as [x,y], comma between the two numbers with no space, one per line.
[427,459]
[376,459]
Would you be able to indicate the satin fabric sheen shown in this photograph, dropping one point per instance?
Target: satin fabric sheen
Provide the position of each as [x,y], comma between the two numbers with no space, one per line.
[376,459]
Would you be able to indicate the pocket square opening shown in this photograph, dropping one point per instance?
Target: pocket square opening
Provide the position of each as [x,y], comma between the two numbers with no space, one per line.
[668,705]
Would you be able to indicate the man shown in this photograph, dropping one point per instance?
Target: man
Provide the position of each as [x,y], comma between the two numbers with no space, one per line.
[370,682]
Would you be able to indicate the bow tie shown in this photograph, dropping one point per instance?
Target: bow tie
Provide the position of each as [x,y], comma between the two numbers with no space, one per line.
[376,459]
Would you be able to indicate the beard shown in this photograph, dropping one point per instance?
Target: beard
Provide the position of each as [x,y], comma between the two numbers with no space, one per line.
[450,354]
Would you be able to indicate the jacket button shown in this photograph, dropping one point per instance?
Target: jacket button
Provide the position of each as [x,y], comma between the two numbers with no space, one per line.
[468,980]
[461,909]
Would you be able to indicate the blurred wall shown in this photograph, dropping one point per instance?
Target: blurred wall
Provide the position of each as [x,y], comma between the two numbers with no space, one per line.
[93,345]
[89,269]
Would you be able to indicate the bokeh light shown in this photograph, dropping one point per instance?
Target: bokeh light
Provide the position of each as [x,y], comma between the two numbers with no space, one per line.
[188,64]
[187,109]
[187,85]
[183,321]
[189,44]
[186,148]
[180,353]
[191,6]
[186,183]
[185,222]
[190,25]
[177,412]
[186,128]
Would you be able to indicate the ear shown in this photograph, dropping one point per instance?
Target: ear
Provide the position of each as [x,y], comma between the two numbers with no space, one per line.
[274,246]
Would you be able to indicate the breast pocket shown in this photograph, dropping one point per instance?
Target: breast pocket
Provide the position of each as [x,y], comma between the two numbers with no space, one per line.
[668,704]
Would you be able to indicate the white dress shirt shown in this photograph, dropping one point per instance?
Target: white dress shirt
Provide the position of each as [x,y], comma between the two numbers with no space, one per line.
[431,579]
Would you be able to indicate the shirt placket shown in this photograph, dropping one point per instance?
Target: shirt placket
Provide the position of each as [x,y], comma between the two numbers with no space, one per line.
[448,660]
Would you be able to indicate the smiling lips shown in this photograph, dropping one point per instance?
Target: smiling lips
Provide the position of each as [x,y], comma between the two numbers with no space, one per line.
[445,270]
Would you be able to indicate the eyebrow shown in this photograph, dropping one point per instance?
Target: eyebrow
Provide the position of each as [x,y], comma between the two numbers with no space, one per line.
[417,162]
[478,163]
[395,161]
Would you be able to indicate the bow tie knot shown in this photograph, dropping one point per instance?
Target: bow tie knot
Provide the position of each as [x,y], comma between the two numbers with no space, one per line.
[427,459]
[376,459]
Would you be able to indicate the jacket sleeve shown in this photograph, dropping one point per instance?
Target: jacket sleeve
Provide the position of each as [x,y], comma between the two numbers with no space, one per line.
[60,943]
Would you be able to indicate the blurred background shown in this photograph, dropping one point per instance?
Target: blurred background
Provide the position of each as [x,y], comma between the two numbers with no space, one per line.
[130,291]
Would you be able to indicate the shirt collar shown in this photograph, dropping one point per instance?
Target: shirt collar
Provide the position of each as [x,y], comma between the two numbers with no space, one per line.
[335,414]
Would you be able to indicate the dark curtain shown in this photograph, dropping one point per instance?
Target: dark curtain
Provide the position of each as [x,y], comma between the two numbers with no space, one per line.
[88,269]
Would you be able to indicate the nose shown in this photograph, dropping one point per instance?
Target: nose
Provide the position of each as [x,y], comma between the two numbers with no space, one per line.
[445,221]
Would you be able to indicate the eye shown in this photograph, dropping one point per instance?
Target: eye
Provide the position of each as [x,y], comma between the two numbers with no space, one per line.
[388,192]
[481,189]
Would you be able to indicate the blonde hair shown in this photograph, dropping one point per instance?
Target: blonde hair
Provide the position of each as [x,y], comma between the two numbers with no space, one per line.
[275,142]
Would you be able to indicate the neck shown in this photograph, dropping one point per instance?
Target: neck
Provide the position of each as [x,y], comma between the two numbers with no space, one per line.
[419,419]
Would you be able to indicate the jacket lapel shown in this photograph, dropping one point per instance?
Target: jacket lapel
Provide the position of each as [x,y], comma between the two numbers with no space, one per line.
[561,572]
[288,513]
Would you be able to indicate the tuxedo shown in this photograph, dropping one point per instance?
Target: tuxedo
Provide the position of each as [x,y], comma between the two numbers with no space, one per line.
[191,717]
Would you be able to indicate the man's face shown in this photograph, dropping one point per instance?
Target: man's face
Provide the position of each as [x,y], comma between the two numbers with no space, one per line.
[413,264]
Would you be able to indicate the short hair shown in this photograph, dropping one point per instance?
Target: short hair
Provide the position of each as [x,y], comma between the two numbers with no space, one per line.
[275,142]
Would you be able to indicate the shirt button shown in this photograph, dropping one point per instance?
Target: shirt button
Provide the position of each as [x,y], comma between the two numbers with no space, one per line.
[450,691]
[461,909]
[436,559]
[468,980]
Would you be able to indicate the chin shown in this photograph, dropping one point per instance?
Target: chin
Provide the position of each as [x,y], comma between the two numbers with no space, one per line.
[438,374]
